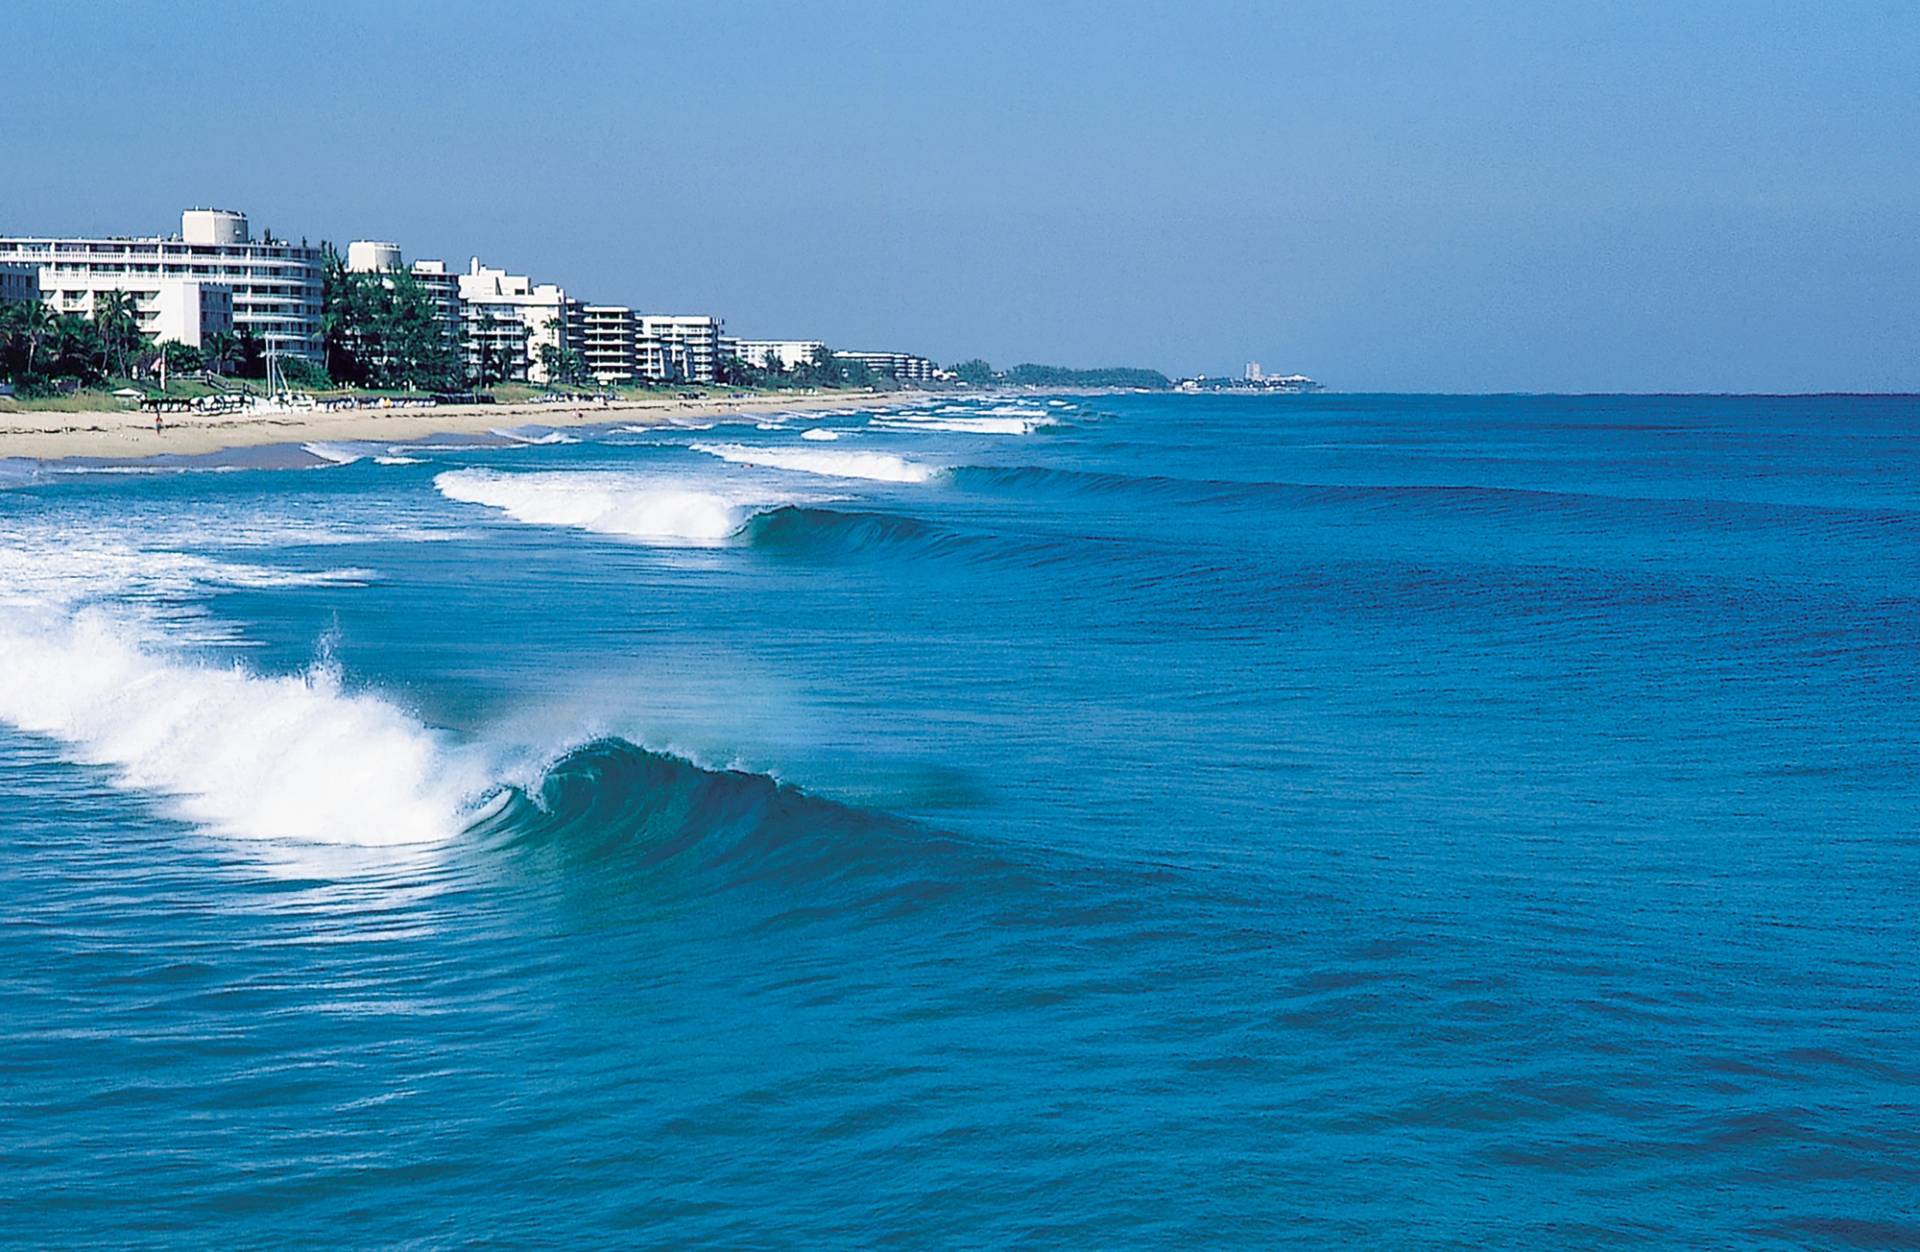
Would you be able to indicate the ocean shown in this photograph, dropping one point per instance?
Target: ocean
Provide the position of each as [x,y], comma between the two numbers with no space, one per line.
[1095,821]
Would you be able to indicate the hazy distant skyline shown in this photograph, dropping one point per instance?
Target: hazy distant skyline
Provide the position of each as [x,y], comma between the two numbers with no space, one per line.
[1710,196]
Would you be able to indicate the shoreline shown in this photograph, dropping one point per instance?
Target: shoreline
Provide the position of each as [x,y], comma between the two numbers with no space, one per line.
[51,435]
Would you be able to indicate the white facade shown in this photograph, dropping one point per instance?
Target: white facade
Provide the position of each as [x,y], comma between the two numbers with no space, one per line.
[169,310]
[690,345]
[274,288]
[782,354]
[904,366]
[507,318]
[609,335]
[369,256]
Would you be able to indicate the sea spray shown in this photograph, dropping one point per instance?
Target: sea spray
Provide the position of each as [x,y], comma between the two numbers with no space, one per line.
[292,756]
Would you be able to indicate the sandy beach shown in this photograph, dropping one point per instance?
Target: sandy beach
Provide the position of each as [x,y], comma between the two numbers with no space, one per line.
[49,435]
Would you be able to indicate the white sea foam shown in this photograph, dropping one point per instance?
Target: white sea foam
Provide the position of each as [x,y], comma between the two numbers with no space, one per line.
[338,453]
[964,425]
[534,436]
[637,506]
[830,463]
[820,434]
[290,757]
[91,628]
[67,566]
[397,460]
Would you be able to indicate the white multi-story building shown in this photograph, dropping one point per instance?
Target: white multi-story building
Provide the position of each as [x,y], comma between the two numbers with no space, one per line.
[212,276]
[780,354]
[689,345]
[444,288]
[507,318]
[369,256]
[903,366]
[609,334]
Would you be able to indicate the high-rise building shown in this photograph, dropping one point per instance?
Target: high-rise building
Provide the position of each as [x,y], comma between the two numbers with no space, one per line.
[689,345]
[444,288]
[609,333]
[212,276]
[508,318]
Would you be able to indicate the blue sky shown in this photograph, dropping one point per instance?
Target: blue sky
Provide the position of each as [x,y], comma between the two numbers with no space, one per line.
[1537,196]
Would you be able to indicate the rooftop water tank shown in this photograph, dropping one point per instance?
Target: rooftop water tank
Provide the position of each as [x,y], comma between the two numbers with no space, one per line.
[216,226]
[368,256]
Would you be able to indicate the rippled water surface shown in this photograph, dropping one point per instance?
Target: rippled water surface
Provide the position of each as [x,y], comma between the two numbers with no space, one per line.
[1095,821]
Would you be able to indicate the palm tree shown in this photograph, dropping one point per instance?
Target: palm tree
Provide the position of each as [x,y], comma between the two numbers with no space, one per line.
[222,349]
[37,324]
[117,318]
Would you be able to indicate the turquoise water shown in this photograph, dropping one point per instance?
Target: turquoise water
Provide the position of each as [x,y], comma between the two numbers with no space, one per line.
[1099,821]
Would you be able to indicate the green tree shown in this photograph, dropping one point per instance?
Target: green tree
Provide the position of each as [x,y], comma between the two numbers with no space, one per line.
[384,330]
[221,350]
[563,366]
[976,372]
[250,355]
[77,351]
[117,318]
[307,375]
[37,325]
[183,358]
[734,371]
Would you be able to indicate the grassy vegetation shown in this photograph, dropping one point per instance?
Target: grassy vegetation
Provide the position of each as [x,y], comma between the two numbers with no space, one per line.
[100,397]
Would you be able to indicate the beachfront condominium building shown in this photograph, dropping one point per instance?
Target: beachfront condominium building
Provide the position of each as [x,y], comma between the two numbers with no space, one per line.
[212,276]
[776,354]
[507,319]
[444,288]
[369,256]
[689,345]
[19,282]
[904,366]
[609,331]
[624,346]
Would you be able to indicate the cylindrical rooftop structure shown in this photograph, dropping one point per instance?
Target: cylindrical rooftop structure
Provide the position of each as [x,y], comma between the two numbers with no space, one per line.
[370,256]
[215,226]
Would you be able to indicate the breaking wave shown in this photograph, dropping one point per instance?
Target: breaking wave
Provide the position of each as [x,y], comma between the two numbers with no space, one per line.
[634,506]
[827,463]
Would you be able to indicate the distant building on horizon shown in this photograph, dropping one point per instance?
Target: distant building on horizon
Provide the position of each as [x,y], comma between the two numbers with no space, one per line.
[904,366]
[780,354]
[211,277]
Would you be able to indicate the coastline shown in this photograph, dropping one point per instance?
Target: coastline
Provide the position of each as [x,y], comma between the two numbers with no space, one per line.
[47,435]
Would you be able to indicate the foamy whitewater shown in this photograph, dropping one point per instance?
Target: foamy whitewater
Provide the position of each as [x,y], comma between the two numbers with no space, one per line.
[1134,821]
[649,508]
[883,467]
